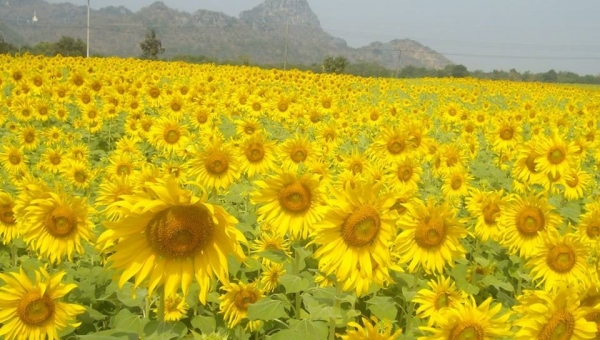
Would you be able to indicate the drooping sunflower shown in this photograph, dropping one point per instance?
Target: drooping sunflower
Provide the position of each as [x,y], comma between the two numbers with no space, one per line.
[470,321]
[8,224]
[560,259]
[55,226]
[234,303]
[215,166]
[555,314]
[524,222]
[441,296]
[355,236]
[486,207]
[33,310]
[256,155]
[430,237]
[289,203]
[169,236]
[373,329]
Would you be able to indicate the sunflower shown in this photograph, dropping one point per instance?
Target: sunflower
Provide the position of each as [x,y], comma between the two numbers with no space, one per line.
[486,207]
[169,236]
[29,138]
[560,259]
[524,222]
[556,155]
[13,159]
[295,152]
[78,174]
[456,183]
[216,166]
[256,155]
[110,191]
[391,145]
[506,135]
[356,162]
[404,174]
[168,134]
[430,237]
[555,314]
[8,226]
[33,310]
[269,278]
[355,235]
[289,203]
[234,303]
[270,240]
[525,167]
[470,321]
[247,127]
[576,181]
[175,308]
[588,229]
[371,330]
[434,302]
[55,226]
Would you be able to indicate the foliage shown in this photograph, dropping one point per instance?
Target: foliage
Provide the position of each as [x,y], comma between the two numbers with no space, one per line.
[151,46]
[335,65]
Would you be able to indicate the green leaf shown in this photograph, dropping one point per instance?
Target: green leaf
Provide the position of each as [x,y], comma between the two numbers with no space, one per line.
[206,324]
[383,307]
[311,330]
[266,309]
[495,282]
[109,335]
[286,334]
[130,296]
[164,331]
[274,255]
[126,321]
[294,283]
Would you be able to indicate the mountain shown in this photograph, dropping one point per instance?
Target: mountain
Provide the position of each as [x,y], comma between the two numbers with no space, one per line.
[258,35]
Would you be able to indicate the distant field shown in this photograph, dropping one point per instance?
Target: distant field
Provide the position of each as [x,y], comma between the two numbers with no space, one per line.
[168,200]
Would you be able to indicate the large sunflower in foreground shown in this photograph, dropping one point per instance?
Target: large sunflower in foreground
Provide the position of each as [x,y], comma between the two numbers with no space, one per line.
[56,225]
[549,315]
[524,223]
[32,310]
[169,237]
[430,237]
[470,321]
[355,235]
[290,204]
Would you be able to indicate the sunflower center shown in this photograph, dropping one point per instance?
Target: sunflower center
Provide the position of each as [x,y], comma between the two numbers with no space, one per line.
[399,205]
[556,156]
[201,117]
[430,233]
[248,129]
[561,258]
[256,107]
[6,214]
[61,222]
[451,161]
[456,183]
[55,159]
[217,163]
[244,298]
[356,167]
[593,230]
[405,172]
[34,309]
[374,116]
[172,136]
[123,170]
[506,133]
[175,106]
[29,137]
[180,231]
[298,155]
[468,331]
[255,152]
[452,112]
[80,176]
[295,197]
[560,327]
[441,300]
[490,212]
[530,221]
[14,159]
[282,107]
[530,162]
[572,180]
[361,227]
[395,146]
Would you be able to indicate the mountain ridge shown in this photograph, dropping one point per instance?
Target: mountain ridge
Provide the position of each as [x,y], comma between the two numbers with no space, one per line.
[258,34]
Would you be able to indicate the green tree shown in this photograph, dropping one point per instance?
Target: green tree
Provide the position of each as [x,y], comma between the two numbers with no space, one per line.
[69,46]
[6,47]
[459,71]
[151,46]
[550,76]
[335,65]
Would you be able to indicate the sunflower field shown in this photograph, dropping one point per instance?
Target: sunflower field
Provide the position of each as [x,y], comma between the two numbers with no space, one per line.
[155,200]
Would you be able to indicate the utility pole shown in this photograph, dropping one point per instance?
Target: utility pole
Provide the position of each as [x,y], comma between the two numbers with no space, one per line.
[398,65]
[88,31]
[287,33]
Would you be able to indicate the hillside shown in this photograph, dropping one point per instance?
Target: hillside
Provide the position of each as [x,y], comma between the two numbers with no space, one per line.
[258,34]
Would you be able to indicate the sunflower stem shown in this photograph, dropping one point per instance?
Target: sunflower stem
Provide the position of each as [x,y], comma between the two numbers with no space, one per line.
[474,272]
[14,254]
[410,317]
[161,304]
[336,307]
[297,265]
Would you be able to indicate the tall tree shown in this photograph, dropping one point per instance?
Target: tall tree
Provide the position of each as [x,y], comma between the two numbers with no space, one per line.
[151,46]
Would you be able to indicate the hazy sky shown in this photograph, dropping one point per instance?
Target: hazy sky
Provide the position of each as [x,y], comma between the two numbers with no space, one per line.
[536,35]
